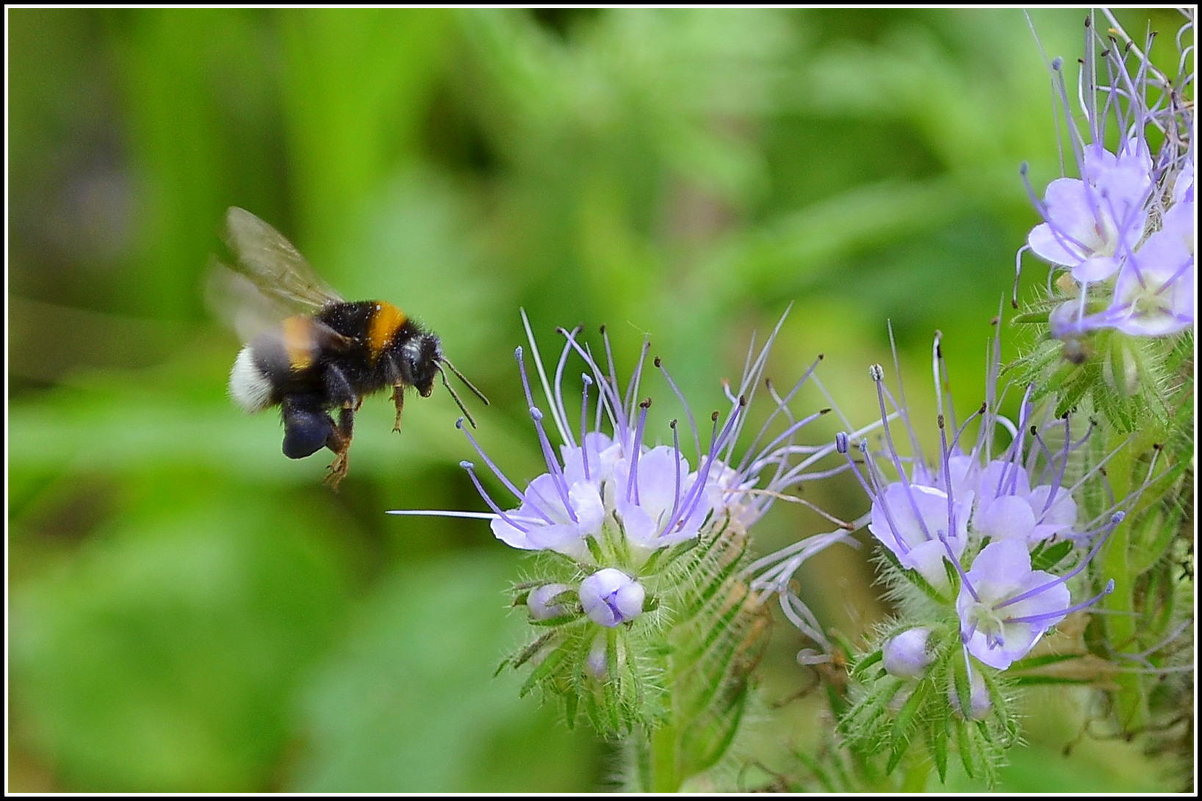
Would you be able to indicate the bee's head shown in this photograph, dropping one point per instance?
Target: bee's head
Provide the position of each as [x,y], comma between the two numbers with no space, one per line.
[419,362]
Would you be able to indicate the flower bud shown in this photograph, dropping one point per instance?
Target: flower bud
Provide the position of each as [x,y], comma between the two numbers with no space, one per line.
[906,655]
[610,597]
[597,660]
[978,700]
[547,601]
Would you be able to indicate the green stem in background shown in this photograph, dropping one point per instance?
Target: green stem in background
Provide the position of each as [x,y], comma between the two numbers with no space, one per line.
[665,761]
[1122,629]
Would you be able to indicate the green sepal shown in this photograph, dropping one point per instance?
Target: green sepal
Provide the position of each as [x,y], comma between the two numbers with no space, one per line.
[964,747]
[937,746]
[962,686]
[544,669]
[904,723]
[859,668]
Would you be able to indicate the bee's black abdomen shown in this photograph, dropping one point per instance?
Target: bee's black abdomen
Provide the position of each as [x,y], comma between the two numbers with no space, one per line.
[306,427]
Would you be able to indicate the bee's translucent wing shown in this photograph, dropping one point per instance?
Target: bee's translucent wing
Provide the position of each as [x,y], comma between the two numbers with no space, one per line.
[272,264]
[241,304]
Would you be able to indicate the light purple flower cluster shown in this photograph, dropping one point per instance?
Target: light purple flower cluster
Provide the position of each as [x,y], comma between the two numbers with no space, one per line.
[609,501]
[1124,230]
[970,520]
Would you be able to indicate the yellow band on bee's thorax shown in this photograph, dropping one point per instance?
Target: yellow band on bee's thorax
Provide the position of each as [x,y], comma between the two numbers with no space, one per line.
[384,324]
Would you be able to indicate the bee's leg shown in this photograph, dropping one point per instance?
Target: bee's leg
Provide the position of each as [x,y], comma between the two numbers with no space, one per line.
[339,389]
[339,442]
[398,398]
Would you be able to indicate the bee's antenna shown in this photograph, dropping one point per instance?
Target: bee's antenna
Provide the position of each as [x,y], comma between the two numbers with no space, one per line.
[451,390]
[463,378]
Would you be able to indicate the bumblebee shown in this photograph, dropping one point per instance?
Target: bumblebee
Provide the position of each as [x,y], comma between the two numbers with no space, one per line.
[315,352]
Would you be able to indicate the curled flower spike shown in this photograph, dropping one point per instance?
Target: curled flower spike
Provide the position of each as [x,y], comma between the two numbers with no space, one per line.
[967,521]
[1124,229]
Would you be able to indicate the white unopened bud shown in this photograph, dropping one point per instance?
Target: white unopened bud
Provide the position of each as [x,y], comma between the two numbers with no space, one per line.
[547,601]
[906,655]
[598,661]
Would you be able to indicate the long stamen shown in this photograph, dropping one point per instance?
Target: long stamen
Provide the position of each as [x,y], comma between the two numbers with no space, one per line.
[793,428]
[586,382]
[607,400]
[1109,588]
[632,486]
[876,492]
[946,469]
[755,460]
[1114,521]
[1008,480]
[1018,265]
[877,374]
[951,555]
[781,406]
[471,471]
[1060,466]
[632,390]
[916,449]
[496,471]
[561,485]
[619,407]
[560,411]
[694,493]
[979,412]
[684,403]
[676,483]
[843,446]
[752,373]
[560,425]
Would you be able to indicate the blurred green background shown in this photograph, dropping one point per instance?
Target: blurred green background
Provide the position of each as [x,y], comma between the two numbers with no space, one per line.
[191,611]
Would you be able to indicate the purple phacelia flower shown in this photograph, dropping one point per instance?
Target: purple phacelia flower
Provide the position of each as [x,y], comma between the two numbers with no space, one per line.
[1124,230]
[1005,607]
[934,511]
[609,497]
[921,525]
[1091,222]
